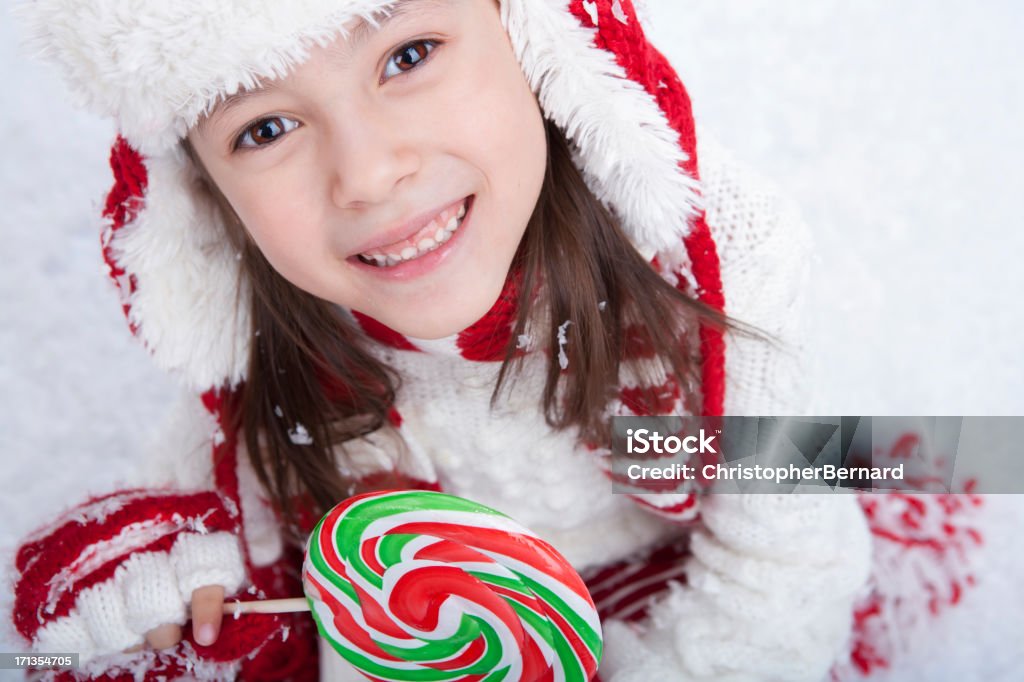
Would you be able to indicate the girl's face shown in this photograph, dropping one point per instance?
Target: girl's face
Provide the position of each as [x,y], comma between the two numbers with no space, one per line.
[394,171]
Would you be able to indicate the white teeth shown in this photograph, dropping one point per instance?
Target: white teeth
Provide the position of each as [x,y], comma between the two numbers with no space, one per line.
[425,245]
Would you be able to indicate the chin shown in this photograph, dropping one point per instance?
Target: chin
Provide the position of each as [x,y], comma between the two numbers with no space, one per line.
[438,329]
[438,324]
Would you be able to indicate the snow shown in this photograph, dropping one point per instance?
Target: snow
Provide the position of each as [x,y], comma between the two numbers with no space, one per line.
[895,126]
[563,358]
[299,435]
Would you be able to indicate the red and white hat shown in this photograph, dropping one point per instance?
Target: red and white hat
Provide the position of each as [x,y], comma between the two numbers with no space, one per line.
[158,67]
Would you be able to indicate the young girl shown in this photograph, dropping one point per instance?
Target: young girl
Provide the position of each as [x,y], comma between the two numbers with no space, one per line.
[439,244]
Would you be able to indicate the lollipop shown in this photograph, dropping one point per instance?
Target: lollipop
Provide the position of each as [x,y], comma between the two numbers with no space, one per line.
[416,585]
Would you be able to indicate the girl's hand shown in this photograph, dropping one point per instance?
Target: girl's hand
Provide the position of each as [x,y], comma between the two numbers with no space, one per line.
[207,612]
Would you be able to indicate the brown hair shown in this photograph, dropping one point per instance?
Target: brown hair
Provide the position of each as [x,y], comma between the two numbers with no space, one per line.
[311,365]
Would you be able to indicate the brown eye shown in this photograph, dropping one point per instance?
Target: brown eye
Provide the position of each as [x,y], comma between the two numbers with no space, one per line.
[265,131]
[408,57]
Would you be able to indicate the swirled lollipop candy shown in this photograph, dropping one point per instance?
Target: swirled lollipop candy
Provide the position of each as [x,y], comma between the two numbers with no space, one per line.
[416,585]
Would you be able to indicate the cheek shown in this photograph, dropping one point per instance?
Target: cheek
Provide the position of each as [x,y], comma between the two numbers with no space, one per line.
[503,121]
[281,223]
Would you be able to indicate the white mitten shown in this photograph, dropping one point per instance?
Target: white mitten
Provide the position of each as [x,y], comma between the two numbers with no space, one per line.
[769,596]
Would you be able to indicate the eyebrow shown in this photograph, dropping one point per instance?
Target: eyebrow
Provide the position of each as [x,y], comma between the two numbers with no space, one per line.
[354,39]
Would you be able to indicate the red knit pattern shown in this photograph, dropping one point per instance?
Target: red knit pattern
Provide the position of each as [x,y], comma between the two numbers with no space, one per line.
[930,525]
[287,642]
[648,67]
[685,511]
[223,404]
[931,529]
[651,400]
[701,249]
[124,201]
[643,64]
[637,342]
[627,588]
[41,560]
[382,333]
[269,646]
[279,659]
[487,338]
[395,417]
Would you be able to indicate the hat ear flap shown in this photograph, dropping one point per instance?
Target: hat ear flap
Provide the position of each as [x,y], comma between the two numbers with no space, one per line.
[181,282]
[594,75]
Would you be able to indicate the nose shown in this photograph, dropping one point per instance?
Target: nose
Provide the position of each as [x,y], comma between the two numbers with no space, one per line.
[369,159]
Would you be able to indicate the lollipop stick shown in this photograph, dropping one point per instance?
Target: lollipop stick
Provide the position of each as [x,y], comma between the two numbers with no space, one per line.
[267,606]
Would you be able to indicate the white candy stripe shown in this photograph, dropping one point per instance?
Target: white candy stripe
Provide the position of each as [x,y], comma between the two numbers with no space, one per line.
[458,606]
[356,611]
[447,623]
[550,655]
[490,568]
[574,601]
[327,622]
[449,616]
[444,517]
[510,649]
[413,546]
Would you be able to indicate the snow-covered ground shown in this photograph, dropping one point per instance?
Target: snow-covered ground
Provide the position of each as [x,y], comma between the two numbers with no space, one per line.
[896,127]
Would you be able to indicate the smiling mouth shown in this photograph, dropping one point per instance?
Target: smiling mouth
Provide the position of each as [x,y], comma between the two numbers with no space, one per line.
[430,238]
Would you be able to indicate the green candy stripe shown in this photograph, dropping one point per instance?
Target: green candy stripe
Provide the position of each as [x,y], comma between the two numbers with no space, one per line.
[437,650]
[389,548]
[591,638]
[483,666]
[326,574]
[551,634]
